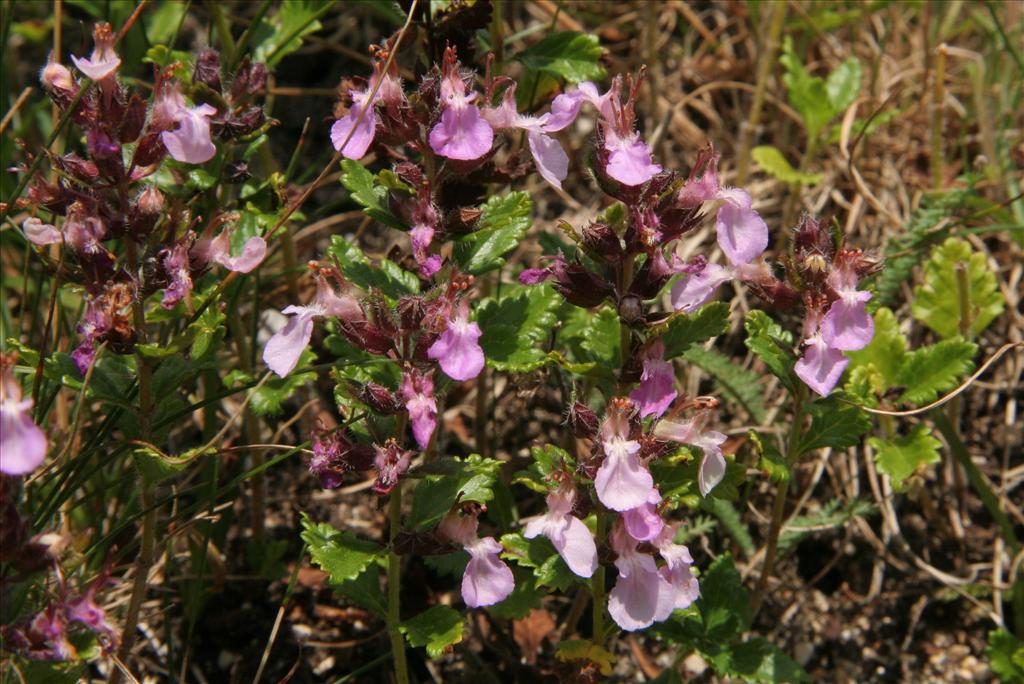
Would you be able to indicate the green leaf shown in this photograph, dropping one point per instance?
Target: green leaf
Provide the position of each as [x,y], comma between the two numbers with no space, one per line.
[526,596]
[449,480]
[439,628]
[757,660]
[502,225]
[926,372]
[162,22]
[770,460]
[207,331]
[387,277]
[364,591]
[843,84]
[771,160]
[572,55]
[269,399]
[731,522]
[724,602]
[807,93]
[370,195]
[547,460]
[342,555]
[514,327]
[833,514]
[282,33]
[739,384]
[163,56]
[1006,656]
[156,467]
[603,339]
[540,554]
[936,301]
[681,331]
[763,338]
[884,355]
[834,424]
[899,458]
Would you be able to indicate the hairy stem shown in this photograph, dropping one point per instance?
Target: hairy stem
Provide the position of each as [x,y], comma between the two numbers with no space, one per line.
[395,588]
[779,507]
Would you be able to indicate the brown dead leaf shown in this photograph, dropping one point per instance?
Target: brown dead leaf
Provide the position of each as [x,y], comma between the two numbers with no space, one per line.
[531,631]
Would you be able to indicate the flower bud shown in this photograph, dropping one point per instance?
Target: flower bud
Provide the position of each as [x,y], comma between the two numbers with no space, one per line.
[56,77]
[582,420]
[631,308]
[601,243]
[151,201]
[379,398]
[207,69]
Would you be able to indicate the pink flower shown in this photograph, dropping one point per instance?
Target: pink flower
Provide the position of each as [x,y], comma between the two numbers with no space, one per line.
[712,465]
[821,365]
[622,482]
[219,250]
[363,130]
[642,595]
[697,289]
[418,393]
[286,346]
[643,522]
[103,61]
[676,570]
[22,443]
[421,236]
[551,160]
[176,263]
[391,462]
[629,161]
[847,326]
[39,233]
[742,233]
[190,142]
[457,350]
[568,533]
[462,133]
[655,392]
[487,580]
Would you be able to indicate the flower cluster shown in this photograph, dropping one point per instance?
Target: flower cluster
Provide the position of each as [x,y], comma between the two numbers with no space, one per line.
[824,275]
[106,196]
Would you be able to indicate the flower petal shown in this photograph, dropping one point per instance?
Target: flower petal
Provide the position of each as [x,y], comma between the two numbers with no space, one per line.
[821,366]
[362,135]
[694,291]
[286,346]
[551,160]
[622,482]
[457,350]
[22,443]
[742,233]
[848,326]
[487,580]
[39,233]
[629,162]
[253,251]
[462,133]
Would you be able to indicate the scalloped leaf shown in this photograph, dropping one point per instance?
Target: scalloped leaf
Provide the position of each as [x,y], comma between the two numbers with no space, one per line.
[446,481]
[834,424]
[342,555]
[928,371]
[438,629]
[900,458]
[514,327]
[936,301]
[682,331]
[572,55]
[502,225]
[371,196]
[386,276]
[764,337]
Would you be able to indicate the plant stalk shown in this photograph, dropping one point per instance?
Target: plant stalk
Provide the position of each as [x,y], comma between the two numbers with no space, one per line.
[938,99]
[394,616]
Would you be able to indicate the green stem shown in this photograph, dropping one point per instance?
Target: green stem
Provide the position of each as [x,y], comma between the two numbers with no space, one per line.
[223,30]
[252,430]
[394,616]
[779,507]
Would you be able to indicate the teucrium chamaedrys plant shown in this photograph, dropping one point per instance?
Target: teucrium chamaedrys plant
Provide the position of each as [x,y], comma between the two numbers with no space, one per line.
[640,453]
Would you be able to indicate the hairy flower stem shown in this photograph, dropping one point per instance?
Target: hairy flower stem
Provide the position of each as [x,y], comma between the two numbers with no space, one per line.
[779,508]
[395,588]
[147,499]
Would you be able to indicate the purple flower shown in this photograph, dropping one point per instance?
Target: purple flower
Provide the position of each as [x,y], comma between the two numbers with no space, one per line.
[22,443]
[190,142]
[821,365]
[96,323]
[697,289]
[286,346]
[643,522]
[103,61]
[39,233]
[462,133]
[622,482]
[742,233]
[568,533]
[457,350]
[176,263]
[655,391]
[551,160]
[642,595]
[334,453]
[487,580]
[712,465]
[417,391]
[391,462]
